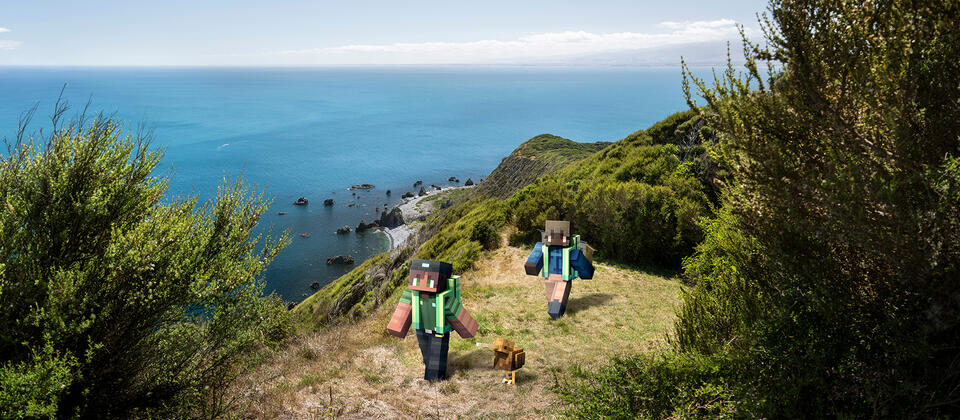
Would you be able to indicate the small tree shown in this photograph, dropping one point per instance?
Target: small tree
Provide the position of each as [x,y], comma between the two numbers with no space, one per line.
[117,301]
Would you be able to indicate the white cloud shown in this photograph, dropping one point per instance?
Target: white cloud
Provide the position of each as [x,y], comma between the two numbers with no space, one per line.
[525,48]
[7,44]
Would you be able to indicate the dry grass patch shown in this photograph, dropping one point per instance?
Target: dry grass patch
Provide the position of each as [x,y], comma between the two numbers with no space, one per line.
[359,371]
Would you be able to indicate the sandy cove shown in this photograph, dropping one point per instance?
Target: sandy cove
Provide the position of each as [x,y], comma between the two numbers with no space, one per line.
[411,212]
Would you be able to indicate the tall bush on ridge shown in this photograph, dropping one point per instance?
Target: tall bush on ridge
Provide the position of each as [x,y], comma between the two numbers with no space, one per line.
[116,303]
[831,276]
[638,200]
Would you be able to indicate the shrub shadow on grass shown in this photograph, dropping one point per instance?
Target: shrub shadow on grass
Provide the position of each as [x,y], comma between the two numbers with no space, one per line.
[586,302]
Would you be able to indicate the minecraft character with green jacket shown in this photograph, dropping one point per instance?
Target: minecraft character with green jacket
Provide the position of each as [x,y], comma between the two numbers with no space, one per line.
[559,259]
[432,306]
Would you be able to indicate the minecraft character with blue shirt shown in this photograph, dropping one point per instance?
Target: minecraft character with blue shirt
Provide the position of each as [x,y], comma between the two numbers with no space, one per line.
[559,258]
[432,306]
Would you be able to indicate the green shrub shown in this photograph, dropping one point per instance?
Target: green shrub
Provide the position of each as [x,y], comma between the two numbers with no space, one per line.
[638,200]
[830,275]
[463,232]
[116,302]
[651,387]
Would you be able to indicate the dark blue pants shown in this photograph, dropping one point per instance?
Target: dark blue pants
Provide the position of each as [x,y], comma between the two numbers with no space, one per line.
[434,350]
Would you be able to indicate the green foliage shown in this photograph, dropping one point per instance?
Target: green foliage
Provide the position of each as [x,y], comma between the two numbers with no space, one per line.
[638,200]
[557,150]
[31,388]
[830,276]
[464,232]
[115,302]
[651,387]
[534,158]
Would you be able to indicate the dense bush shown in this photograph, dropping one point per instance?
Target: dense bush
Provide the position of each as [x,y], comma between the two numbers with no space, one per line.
[116,303]
[651,387]
[638,200]
[827,285]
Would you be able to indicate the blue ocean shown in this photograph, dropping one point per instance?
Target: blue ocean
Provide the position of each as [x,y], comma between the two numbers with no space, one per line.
[315,132]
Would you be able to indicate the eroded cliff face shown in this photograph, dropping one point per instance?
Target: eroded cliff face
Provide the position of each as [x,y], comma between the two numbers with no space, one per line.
[533,159]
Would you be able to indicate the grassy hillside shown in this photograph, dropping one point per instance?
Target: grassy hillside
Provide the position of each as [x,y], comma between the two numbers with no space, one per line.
[638,200]
[357,370]
[534,158]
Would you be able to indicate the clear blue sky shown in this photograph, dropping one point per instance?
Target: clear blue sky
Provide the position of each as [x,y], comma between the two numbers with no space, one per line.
[247,32]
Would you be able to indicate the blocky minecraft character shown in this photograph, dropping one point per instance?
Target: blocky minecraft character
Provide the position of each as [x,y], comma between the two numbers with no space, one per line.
[431,304]
[507,358]
[559,258]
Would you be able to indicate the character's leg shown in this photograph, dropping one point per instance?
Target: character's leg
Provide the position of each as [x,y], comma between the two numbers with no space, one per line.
[423,339]
[558,301]
[436,369]
[549,284]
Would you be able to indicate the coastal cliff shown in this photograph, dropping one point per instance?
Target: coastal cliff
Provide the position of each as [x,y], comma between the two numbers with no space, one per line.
[458,232]
[663,176]
[533,159]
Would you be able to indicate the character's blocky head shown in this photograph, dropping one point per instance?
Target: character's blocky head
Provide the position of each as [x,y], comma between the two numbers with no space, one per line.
[429,276]
[502,345]
[557,233]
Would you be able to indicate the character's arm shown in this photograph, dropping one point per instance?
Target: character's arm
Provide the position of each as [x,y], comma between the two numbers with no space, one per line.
[464,324]
[580,262]
[535,261]
[400,322]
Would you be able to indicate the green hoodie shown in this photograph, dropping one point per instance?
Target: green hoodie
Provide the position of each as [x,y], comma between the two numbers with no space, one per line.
[428,308]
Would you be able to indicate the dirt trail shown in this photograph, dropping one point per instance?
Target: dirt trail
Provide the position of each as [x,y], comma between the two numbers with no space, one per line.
[359,371]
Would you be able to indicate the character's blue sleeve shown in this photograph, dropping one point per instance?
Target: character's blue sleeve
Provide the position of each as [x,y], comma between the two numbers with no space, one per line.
[535,259]
[581,264]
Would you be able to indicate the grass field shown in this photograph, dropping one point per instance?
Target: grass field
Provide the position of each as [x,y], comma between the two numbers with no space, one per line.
[359,371]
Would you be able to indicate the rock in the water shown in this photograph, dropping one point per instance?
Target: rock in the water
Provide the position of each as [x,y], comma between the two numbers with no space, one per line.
[417,184]
[366,226]
[388,192]
[469,182]
[407,194]
[436,187]
[453,179]
[363,187]
[302,201]
[328,202]
[291,305]
[423,192]
[446,204]
[341,260]
[392,218]
[305,235]
[315,285]
[342,230]
[351,204]
[281,213]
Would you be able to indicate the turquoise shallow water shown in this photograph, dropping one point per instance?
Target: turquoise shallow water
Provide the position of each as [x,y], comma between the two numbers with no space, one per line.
[315,132]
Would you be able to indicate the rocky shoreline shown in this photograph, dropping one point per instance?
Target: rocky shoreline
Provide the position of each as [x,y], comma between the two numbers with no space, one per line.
[400,223]
[411,210]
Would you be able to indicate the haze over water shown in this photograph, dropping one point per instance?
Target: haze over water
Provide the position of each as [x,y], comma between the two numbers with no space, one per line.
[314,132]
